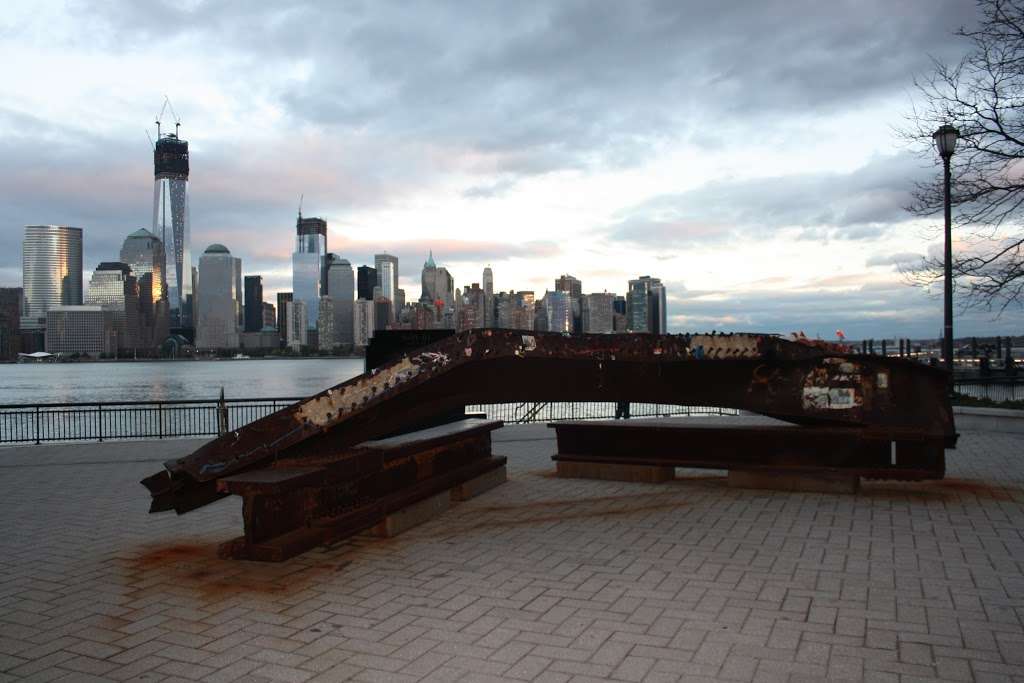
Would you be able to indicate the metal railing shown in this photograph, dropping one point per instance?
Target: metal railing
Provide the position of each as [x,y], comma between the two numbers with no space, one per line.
[96,421]
[995,388]
[43,422]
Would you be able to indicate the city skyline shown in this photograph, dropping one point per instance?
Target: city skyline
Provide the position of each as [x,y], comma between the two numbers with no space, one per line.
[753,203]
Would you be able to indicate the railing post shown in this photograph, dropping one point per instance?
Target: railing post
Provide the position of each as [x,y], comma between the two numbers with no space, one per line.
[99,419]
[37,425]
[160,418]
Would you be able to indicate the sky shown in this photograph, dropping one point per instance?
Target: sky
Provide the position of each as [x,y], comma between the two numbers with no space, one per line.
[746,153]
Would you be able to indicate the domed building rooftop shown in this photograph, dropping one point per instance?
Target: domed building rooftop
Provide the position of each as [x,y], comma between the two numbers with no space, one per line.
[216,249]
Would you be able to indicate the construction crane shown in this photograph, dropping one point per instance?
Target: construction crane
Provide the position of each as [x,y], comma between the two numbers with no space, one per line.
[177,121]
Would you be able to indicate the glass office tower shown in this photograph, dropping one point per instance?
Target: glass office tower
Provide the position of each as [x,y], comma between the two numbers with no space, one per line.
[308,267]
[51,263]
[171,223]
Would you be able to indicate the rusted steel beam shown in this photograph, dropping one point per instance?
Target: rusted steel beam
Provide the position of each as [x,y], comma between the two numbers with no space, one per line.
[803,383]
[818,450]
[292,505]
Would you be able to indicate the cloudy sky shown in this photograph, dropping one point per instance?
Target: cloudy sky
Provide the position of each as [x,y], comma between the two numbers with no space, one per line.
[743,152]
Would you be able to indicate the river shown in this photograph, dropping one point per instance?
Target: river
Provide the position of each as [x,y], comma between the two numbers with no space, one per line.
[171,380]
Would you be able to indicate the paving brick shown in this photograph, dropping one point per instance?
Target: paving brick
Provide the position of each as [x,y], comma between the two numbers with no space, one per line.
[541,579]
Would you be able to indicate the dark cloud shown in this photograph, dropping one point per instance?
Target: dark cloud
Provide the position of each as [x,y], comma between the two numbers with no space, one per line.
[855,206]
[541,86]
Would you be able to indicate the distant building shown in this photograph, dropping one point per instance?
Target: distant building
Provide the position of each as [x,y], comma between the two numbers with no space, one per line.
[341,286]
[144,253]
[489,309]
[253,303]
[85,330]
[218,299]
[382,313]
[567,283]
[282,315]
[171,223]
[114,287]
[472,312]
[265,339]
[269,316]
[363,323]
[387,278]
[366,280]
[308,264]
[297,325]
[11,302]
[558,308]
[646,306]
[327,333]
[598,313]
[51,271]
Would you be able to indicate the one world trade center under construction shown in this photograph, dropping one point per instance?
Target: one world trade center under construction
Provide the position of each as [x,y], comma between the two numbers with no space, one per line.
[171,222]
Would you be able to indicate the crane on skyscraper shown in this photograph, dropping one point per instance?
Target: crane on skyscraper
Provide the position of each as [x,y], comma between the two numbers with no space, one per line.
[177,121]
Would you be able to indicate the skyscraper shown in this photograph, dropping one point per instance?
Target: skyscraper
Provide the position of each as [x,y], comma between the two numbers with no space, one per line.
[11,301]
[366,280]
[171,222]
[598,312]
[218,299]
[144,253]
[387,277]
[253,303]
[51,271]
[308,264]
[645,305]
[115,289]
[341,285]
[489,312]
[567,283]
[282,315]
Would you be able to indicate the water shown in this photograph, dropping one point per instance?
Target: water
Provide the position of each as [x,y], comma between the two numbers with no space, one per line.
[171,380]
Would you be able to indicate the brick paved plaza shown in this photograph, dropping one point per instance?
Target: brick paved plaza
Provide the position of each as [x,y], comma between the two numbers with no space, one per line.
[541,579]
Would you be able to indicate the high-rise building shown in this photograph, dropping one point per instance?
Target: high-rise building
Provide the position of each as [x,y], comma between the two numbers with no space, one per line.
[253,303]
[366,280]
[282,315]
[218,299]
[144,253]
[171,223]
[567,283]
[489,310]
[297,318]
[51,271]
[87,330]
[646,306]
[558,306]
[114,287]
[269,316]
[598,312]
[471,313]
[387,277]
[308,264]
[341,285]
[11,302]
[363,325]
[327,337]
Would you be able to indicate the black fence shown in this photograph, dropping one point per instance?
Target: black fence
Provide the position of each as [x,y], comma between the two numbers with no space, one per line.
[47,422]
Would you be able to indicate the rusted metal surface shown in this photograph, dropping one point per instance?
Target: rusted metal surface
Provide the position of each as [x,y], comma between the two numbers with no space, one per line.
[292,505]
[803,383]
[815,450]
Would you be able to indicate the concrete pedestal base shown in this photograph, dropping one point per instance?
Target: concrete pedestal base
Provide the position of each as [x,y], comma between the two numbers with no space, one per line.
[651,474]
[482,484]
[413,515]
[785,481]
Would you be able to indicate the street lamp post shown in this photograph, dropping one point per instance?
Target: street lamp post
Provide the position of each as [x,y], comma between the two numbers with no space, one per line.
[945,142]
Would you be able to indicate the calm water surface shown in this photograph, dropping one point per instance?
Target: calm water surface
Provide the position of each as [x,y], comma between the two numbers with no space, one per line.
[171,380]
